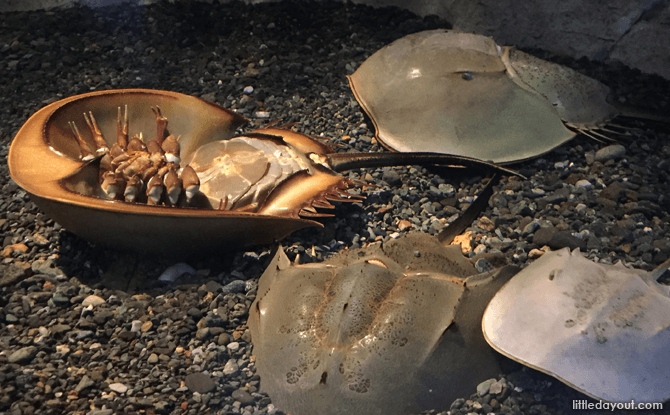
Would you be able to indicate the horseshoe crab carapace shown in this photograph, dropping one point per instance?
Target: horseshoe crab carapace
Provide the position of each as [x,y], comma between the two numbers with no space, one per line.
[392,329]
[461,93]
[602,329]
[48,159]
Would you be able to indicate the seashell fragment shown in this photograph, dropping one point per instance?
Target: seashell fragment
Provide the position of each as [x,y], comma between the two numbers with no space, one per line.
[601,329]
[374,331]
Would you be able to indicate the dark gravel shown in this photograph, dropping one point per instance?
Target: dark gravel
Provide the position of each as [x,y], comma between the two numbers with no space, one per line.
[89,331]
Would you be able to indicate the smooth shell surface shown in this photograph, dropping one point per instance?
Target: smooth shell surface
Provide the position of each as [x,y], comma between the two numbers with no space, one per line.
[460,93]
[375,331]
[602,329]
[44,160]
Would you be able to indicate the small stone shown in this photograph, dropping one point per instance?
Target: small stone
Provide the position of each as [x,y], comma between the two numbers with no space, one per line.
[84,383]
[153,359]
[230,368]
[233,346]
[535,253]
[199,382]
[146,326]
[15,247]
[40,240]
[496,387]
[23,355]
[563,239]
[486,224]
[612,152]
[234,287]
[243,397]
[542,236]
[483,388]
[135,326]
[93,300]
[262,114]
[483,265]
[60,300]
[118,387]
[404,224]
[248,89]
[583,184]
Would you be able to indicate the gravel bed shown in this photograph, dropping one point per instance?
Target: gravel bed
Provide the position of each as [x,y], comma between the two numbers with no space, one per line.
[85,330]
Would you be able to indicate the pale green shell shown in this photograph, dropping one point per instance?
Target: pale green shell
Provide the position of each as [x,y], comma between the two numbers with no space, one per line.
[451,92]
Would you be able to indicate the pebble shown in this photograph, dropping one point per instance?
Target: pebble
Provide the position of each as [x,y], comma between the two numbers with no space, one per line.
[175,271]
[199,382]
[92,300]
[118,387]
[230,368]
[612,152]
[483,388]
[23,355]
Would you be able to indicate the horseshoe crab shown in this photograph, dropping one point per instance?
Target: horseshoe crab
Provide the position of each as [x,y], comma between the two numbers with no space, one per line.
[286,176]
[601,329]
[392,329]
[461,93]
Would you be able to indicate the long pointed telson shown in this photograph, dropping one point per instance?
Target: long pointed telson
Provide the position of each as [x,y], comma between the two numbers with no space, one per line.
[98,138]
[340,162]
[122,128]
[161,125]
[85,152]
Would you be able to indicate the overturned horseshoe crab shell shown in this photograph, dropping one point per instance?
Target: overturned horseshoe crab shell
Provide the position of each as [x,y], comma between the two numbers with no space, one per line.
[461,93]
[379,330]
[47,160]
[602,329]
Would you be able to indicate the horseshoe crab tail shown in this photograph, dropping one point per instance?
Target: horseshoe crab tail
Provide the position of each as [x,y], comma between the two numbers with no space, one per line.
[340,162]
[642,114]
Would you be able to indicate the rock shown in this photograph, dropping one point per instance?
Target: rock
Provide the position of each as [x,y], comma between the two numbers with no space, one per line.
[118,387]
[199,382]
[234,287]
[23,355]
[483,265]
[11,274]
[612,152]
[391,177]
[583,184]
[497,387]
[483,388]
[84,383]
[243,396]
[230,368]
[563,239]
[93,300]
[542,236]
[153,359]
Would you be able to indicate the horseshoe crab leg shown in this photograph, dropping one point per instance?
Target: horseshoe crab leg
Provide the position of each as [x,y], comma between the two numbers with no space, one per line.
[340,162]
[84,150]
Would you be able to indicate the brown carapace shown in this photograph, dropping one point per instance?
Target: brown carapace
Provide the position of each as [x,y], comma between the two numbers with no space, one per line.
[191,189]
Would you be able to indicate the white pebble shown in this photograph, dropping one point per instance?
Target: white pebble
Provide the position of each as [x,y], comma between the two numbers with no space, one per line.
[248,90]
[135,326]
[262,114]
[118,387]
[233,346]
[584,184]
[93,300]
